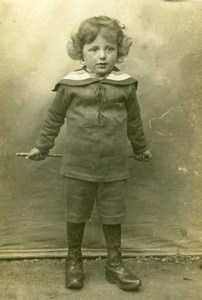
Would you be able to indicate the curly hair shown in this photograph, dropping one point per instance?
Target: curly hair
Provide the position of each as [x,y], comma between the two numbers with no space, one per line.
[111,30]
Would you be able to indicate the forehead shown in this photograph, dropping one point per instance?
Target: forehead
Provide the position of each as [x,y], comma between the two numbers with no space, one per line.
[101,40]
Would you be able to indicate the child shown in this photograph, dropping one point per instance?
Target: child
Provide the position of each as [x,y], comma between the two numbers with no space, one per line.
[101,110]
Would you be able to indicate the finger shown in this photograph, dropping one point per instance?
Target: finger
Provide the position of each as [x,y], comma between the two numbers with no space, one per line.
[32,157]
[147,158]
[141,157]
[37,157]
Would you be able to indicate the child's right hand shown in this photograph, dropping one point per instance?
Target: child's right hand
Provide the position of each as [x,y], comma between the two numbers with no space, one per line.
[35,154]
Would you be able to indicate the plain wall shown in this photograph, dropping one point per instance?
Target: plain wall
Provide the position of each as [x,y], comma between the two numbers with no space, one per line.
[164,196]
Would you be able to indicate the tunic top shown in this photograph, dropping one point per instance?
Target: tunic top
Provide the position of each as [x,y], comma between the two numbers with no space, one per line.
[101,115]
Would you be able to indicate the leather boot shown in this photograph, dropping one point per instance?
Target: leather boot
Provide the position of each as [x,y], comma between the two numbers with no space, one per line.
[115,270]
[74,276]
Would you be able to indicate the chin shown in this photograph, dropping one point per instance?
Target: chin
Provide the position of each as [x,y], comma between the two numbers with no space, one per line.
[103,72]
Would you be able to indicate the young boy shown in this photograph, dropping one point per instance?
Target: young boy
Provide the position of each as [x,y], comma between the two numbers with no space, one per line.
[101,110]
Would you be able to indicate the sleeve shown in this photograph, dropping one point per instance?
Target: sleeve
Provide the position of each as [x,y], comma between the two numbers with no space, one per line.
[135,130]
[54,120]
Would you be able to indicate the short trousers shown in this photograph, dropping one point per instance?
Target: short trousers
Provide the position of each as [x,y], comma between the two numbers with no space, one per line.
[109,197]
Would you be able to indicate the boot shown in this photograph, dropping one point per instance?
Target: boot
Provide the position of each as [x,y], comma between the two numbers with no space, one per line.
[74,276]
[115,270]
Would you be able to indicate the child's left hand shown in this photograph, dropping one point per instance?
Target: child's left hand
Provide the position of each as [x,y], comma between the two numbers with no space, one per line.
[144,156]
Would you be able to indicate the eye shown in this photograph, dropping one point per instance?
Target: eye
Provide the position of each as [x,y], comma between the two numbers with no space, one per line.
[93,50]
[110,49]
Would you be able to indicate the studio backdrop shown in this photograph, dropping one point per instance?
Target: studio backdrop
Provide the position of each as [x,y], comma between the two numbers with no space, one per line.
[164,206]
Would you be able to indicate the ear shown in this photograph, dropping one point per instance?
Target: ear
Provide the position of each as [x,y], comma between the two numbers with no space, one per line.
[120,60]
[82,61]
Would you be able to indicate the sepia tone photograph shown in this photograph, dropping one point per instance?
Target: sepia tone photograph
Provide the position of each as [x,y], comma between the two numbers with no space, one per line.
[100,157]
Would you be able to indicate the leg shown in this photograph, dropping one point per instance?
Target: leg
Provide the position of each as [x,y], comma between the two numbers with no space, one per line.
[115,270]
[74,263]
[111,207]
[80,198]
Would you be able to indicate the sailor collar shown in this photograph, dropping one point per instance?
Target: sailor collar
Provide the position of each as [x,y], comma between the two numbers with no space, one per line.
[81,77]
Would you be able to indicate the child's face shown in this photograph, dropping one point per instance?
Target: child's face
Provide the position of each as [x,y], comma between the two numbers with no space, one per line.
[100,55]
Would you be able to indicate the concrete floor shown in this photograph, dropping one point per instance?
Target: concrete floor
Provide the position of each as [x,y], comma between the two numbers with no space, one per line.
[43,279]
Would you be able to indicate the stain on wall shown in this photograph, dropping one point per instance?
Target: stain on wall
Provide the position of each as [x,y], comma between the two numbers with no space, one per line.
[164,196]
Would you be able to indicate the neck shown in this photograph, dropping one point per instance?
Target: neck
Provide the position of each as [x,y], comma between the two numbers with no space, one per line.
[95,75]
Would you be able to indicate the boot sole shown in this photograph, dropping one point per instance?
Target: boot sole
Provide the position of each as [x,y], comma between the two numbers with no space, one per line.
[74,284]
[74,287]
[125,287]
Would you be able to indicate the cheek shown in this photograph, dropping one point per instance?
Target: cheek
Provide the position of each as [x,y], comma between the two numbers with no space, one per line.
[114,58]
[114,55]
[87,57]
[84,55]
[89,60]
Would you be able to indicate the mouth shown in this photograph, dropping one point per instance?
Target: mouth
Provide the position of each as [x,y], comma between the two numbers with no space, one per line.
[102,64]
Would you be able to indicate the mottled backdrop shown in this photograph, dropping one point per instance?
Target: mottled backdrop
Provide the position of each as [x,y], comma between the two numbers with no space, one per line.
[164,196]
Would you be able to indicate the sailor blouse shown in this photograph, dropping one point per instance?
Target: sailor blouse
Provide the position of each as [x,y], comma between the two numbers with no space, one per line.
[100,116]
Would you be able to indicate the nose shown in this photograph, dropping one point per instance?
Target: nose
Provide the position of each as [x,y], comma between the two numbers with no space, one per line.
[102,54]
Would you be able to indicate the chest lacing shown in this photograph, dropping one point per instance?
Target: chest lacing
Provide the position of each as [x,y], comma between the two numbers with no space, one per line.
[100,93]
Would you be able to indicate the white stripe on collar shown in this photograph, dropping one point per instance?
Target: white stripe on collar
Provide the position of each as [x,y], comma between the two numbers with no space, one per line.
[83,75]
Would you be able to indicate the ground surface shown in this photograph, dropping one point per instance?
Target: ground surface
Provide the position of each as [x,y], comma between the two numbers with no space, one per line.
[43,279]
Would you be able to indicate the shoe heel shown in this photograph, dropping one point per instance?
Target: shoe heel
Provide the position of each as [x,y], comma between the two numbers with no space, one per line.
[109,278]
